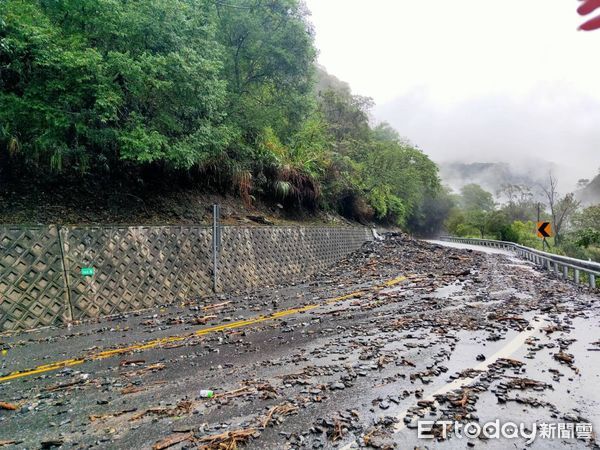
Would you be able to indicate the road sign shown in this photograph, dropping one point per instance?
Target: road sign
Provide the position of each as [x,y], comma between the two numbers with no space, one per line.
[544,229]
[87,271]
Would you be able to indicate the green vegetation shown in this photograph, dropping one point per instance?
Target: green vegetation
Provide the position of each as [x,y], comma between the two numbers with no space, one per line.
[223,95]
[577,231]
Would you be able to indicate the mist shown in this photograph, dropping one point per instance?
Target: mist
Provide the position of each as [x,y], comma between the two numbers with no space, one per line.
[552,128]
[474,81]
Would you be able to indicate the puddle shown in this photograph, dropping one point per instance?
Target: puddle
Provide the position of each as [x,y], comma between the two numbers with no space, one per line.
[505,293]
[449,291]
[478,248]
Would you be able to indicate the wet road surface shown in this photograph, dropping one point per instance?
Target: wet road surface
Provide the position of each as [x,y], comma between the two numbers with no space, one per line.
[400,331]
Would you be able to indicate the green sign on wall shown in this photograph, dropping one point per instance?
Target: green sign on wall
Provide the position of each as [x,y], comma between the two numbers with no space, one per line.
[87,271]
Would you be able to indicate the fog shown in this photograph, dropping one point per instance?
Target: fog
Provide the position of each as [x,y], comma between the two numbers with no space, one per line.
[472,80]
[553,127]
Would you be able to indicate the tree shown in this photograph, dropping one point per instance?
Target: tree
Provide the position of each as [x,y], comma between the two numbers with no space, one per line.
[478,219]
[223,94]
[519,202]
[474,198]
[87,84]
[347,116]
[588,218]
[500,225]
[561,208]
[398,178]
[429,216]
[587,237]
[269,64]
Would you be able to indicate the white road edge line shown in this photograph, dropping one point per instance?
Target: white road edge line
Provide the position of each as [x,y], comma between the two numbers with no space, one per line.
[510,348]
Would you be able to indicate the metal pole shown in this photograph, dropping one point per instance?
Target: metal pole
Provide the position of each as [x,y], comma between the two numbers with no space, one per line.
[538,221]
[215,249]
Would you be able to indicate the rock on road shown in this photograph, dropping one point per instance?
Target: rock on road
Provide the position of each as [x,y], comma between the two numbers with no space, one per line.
[353,357]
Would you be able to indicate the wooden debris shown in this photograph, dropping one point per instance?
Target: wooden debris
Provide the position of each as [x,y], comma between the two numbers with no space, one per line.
[552,328]
[236,393]
[173,439]
[58,387]
[228,440]
[422,375]
[401,323]
[564,357]
[463,400]
[526,383]
[130,362]
[285,409]
[459,258]
[151,368]
[406,362]
[95,417]
[133,388]
[511,318]
[9,406]
[469,373]
[508,362]
[203,320]
[338,432]
[216,305]
[183,407]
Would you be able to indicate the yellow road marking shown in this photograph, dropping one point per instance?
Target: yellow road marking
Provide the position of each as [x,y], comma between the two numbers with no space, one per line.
[156,342]
[395,281]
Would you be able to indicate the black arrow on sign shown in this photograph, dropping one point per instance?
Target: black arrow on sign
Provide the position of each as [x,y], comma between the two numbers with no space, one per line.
[542,229]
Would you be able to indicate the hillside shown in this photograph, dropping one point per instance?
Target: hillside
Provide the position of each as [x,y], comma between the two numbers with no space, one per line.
[590,194]
[88,201]
[493,175]
[117,113]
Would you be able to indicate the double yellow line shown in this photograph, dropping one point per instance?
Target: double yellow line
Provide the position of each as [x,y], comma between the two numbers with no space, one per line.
[204,331]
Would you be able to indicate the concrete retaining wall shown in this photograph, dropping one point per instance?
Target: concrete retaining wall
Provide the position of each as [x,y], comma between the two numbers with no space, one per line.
[139,267]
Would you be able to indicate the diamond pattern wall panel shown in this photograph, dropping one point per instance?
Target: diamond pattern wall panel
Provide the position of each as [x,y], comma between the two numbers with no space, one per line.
[143,267]
[259,256]
[32,288]
[135,267]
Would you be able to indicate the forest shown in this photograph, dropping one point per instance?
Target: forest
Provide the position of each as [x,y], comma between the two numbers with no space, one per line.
[225,96]
[513,212]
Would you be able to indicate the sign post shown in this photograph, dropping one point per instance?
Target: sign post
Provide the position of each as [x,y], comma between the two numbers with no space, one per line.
[216,241]
[544,230]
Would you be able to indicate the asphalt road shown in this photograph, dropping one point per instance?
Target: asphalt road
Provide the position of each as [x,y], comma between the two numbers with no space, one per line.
[400,331]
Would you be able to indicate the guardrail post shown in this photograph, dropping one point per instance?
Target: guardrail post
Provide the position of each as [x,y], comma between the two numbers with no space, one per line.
[576,276]
[565,272]
[592,280]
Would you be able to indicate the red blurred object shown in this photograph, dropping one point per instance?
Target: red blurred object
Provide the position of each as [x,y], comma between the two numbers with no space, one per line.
[588,7]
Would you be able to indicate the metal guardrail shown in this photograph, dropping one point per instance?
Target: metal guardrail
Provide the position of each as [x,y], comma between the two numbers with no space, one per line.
[563,266]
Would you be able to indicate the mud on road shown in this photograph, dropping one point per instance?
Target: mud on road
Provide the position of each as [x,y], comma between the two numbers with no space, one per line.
[400,331]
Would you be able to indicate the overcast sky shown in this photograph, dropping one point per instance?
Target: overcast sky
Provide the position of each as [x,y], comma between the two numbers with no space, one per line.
[474,80]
